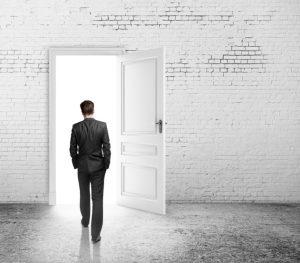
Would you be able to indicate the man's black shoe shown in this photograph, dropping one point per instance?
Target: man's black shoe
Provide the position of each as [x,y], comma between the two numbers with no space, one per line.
[95,240]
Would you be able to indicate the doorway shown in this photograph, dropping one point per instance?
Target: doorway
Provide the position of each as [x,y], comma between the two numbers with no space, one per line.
[78,78]
[77,75]
[129,95]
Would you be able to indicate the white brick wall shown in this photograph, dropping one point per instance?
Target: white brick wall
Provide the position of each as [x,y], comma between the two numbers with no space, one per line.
[233,97]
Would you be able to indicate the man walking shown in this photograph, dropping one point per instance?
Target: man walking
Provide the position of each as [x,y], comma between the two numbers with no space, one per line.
[90,152]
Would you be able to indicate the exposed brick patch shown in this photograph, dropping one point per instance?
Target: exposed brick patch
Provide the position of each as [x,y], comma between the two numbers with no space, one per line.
[22,61]
[243,57]
[174,13]
[259,19]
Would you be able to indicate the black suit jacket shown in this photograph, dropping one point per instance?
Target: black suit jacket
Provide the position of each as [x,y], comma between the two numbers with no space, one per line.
[89,145]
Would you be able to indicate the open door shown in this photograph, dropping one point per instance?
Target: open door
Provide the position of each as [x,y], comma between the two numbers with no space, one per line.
[141,144]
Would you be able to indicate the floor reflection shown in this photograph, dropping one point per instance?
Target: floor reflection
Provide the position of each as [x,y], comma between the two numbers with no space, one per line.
[96,252]
[88,252]
[84,248]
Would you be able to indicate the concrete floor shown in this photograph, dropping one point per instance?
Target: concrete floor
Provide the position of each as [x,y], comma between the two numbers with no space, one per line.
[188,233]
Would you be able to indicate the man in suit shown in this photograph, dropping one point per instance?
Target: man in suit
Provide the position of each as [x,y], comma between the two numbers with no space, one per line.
[90,152]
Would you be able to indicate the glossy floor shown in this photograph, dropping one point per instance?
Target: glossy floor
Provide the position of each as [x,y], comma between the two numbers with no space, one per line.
[188,233]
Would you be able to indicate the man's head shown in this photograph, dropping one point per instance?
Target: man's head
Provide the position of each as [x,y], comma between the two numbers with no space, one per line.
[87,107]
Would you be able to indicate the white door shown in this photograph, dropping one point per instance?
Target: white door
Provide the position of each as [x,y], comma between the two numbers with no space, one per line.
[141,144]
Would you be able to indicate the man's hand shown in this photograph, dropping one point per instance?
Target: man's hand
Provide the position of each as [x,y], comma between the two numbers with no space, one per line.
[73,148]
[106,148]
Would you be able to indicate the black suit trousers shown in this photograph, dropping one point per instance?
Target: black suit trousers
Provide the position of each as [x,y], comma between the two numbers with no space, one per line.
[96,180]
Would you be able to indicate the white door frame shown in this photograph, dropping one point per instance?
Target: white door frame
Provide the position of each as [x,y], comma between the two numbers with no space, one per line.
[53,52]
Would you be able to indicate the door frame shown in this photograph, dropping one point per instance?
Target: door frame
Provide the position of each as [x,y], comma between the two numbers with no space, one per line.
[53,52]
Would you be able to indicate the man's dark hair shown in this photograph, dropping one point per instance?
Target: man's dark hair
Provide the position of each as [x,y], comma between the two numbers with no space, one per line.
[87,107]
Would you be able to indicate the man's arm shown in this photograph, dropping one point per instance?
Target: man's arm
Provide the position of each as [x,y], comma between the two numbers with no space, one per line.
[73,148]
[106,148]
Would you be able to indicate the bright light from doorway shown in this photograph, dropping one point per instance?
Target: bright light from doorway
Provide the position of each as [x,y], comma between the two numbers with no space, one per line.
[78,78]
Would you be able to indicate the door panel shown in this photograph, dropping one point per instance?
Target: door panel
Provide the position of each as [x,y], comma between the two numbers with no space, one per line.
[141,177]
[139,95]
[139,181]
[137,149]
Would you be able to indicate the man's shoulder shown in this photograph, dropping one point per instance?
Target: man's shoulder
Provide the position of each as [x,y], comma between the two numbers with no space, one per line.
[101,122]
[77,124]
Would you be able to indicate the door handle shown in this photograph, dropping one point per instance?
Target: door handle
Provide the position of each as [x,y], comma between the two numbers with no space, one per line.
[159,123]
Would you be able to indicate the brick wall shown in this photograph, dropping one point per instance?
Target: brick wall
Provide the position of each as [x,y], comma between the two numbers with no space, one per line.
[232,84]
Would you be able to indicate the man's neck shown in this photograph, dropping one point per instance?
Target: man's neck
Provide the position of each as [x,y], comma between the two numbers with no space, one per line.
[89,116]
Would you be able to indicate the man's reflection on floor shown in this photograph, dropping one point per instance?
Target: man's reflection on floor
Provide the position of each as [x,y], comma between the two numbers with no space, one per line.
[96,252]
[85,247]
